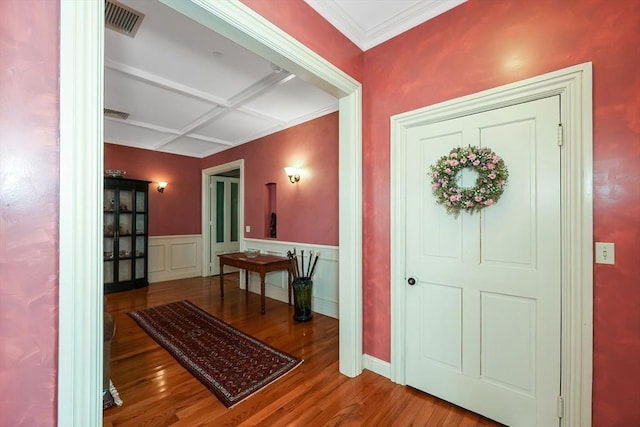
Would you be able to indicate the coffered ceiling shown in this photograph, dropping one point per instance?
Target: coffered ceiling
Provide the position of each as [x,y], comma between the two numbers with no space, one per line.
[177,87]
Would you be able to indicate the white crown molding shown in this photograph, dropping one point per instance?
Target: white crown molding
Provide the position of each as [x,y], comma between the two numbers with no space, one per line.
[394,24]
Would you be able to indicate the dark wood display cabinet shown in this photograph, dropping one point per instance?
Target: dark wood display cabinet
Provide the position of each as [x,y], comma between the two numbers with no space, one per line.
[126,239]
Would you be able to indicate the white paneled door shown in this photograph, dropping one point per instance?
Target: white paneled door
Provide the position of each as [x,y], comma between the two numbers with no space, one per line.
[483,317]
[224,219]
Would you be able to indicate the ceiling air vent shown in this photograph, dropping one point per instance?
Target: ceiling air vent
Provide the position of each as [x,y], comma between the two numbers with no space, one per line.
[121,18]
[115,114]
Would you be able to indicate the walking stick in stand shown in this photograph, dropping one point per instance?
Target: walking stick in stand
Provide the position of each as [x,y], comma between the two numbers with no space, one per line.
[313,268]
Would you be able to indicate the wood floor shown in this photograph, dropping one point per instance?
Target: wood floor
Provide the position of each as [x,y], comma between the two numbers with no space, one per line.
[157,391]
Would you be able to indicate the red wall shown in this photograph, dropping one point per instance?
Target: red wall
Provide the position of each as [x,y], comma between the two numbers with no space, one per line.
[307,211]
[28,212]
[483,44]
[177,210]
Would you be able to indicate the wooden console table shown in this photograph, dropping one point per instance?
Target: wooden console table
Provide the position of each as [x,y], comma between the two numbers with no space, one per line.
[261,264]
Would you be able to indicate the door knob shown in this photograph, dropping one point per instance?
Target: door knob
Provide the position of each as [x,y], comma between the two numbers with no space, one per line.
[411,281]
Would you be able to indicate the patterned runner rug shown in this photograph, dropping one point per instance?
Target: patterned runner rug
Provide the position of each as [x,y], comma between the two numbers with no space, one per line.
[230,363]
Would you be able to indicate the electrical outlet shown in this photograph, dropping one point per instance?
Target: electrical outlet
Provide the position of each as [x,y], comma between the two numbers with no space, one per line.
[605,253]
[247,229]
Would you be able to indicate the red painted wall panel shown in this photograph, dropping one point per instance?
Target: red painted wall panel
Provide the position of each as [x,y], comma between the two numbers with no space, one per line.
[480,45]
[177,210]
[29,192]
[307,211]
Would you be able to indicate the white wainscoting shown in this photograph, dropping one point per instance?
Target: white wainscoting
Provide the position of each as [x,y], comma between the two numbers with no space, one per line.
[325,279]
[174,257]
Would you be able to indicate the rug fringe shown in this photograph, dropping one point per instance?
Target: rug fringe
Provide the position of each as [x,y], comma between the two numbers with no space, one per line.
[272,382]
[114,394]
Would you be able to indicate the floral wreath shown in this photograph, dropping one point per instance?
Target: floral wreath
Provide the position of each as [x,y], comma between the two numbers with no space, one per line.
[492,177]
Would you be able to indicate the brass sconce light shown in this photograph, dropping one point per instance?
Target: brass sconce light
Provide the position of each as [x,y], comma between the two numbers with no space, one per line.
[161,186]
[293,174]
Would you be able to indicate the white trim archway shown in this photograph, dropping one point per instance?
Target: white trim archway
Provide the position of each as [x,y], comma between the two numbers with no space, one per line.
[81,164]
[574,86]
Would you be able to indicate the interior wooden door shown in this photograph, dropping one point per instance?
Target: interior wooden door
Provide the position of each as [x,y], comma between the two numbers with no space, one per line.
[483,318]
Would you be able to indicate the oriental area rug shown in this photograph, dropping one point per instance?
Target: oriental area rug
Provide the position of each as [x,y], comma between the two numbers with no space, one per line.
[230,363]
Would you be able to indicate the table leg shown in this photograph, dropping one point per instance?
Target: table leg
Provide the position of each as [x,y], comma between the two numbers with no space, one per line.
[246,284]
[262,274]
[221,279]
[289,284]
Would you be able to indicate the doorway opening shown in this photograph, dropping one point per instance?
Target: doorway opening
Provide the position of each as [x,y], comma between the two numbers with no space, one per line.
[81,164]
[217,237]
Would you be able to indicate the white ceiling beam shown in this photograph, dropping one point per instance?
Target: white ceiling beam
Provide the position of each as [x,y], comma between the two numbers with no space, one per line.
[161,82]
[261,86]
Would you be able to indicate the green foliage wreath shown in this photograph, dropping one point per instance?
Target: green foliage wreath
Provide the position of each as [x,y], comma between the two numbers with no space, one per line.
[492,177]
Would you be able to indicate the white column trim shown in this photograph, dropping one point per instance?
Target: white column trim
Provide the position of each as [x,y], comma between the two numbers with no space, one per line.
[574,86]
[80,308]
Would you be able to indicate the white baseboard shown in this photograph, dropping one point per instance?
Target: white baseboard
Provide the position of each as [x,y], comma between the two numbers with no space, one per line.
[174,257]
[376,365]
[325,279]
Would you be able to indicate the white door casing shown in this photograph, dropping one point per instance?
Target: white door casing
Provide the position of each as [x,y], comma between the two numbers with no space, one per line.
[573,85]
[483,318]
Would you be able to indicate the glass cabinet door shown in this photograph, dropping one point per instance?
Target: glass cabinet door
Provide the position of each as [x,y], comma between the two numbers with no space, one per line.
[125,234]
[110,246]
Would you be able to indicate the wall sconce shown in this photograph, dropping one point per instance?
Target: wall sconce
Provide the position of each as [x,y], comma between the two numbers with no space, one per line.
[161,186]
[293,174]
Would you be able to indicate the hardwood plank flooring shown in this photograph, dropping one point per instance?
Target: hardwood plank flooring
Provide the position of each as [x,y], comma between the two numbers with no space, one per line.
[157,391]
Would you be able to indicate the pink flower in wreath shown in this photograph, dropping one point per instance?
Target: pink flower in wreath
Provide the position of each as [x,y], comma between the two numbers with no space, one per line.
[496,159]
[447,171]
[488,202]
[469,204]
[435,185]
[483,190]
[478,198]
[471,156]
[453,155]
[501,183]
[476,162]
[463,160]
[492,175]
[491,166]
[435,174]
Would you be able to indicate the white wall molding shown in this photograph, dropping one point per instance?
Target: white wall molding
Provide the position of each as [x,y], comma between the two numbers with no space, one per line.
[325,279]
[574,86]
[376,365]
[174,257]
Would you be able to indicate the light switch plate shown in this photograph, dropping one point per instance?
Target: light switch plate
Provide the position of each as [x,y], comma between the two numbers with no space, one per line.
[247,229]
[605,253]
